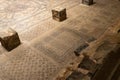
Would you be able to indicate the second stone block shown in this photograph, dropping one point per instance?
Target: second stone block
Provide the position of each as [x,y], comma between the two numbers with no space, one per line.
[59,14]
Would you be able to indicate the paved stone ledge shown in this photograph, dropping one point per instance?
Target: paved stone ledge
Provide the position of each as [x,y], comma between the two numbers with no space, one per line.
[95,62]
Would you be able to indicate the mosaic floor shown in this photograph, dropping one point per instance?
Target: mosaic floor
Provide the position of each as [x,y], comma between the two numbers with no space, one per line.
[47,45]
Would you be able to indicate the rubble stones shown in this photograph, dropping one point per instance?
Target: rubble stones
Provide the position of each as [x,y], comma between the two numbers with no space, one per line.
[91,39]
[87,64]
[75,76]
[80,48]
[111,61]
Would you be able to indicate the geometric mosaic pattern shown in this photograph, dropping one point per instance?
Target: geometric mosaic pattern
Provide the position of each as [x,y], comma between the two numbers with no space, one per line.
[28,65]
[61,43]
[41,57]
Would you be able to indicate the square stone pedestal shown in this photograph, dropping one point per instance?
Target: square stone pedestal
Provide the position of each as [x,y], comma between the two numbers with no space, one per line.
[87,2]
[59,14]
[9,39]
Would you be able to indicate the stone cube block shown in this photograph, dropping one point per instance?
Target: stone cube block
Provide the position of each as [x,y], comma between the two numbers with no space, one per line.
[59,14]
[87,2]
[9,39]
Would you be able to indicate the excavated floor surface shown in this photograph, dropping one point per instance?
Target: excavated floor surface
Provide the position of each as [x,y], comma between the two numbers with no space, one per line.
[47,45]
